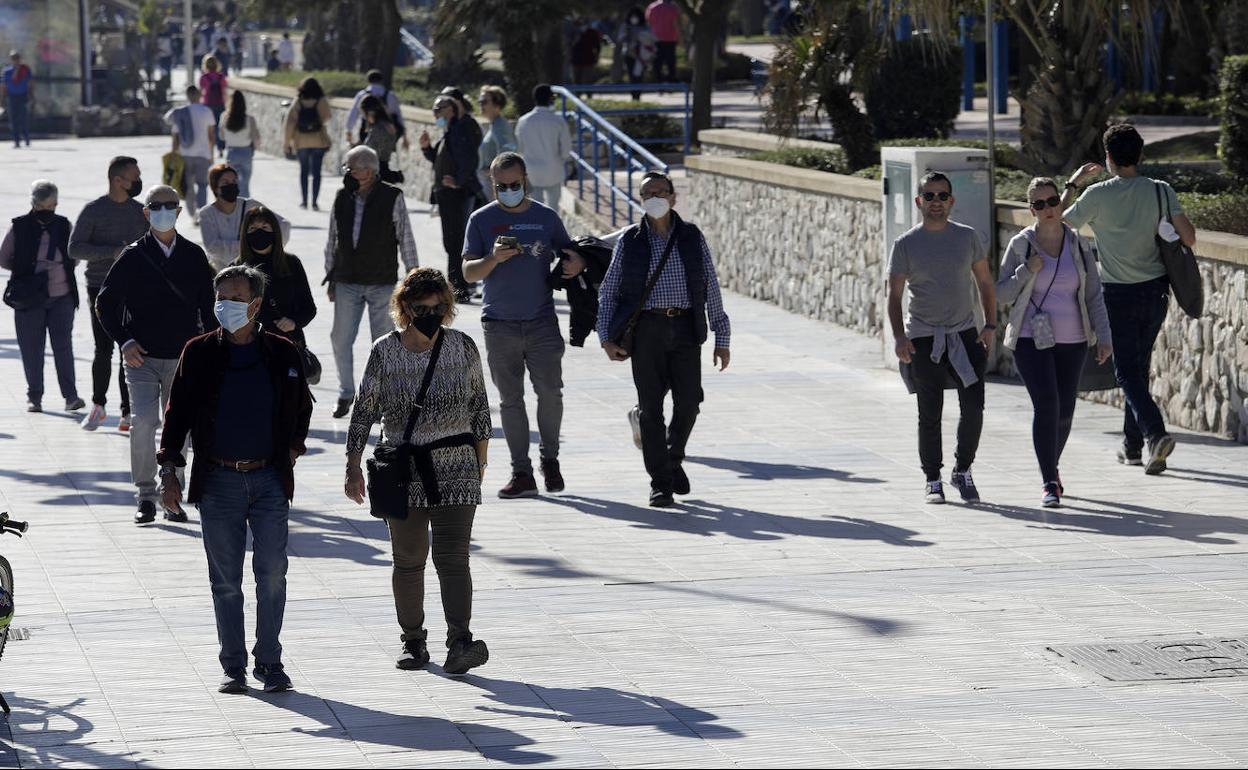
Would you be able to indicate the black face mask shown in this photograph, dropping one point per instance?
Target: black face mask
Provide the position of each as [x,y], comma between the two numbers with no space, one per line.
[44,216]
[229,192]
[135,189]
[350,182]
[260,240]
[427,325]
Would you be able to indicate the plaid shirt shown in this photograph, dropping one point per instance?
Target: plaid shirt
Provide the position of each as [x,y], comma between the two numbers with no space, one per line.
[671,290]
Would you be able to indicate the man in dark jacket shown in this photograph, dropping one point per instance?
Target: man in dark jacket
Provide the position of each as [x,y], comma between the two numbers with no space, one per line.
[157,296]
[229,383]
[456,188]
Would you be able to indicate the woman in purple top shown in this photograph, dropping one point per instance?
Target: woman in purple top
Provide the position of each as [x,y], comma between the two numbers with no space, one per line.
[1049,276]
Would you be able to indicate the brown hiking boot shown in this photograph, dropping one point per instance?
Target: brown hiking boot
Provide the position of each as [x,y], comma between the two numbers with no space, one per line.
[521,485]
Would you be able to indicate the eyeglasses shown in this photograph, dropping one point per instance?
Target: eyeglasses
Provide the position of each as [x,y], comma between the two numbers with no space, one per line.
[424,311]
[940,196]
[166,205]
[503,187]
[656,194]
[1040,205]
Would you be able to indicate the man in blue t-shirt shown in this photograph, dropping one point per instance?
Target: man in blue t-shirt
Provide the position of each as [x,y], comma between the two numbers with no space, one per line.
[510,246]
[18,93]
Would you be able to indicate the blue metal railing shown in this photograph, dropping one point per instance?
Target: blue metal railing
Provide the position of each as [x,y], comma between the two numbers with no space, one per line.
[647,88]
[602,152]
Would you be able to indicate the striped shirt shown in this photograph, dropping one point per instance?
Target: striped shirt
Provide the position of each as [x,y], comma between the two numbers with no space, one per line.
[671,290]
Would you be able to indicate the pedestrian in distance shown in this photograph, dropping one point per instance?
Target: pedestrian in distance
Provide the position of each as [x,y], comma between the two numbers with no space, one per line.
[1049,276]
[586,51]
[424,383]
[286,52]
[939,264]
[663,16]
[288,303]
[455,184]
[307,136]
[1127,214]
[511,245]
[43,293]
[639,47]
[499,137]
[194,135]
[107,225]
[357,127]
[222,53]
[17,87]
[381,135]
[241,135]
[656,303]
[369,232]
[545,142]
[212,88]
[220,222]
[157,297]
[240,394]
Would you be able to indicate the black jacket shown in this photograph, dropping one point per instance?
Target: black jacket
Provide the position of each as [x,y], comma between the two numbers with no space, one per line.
[28,232]
[136,301]
[582,291]
[288,296]
[456,155]
[197,390]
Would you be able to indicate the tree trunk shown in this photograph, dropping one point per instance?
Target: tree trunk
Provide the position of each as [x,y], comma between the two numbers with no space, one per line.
[518,45]
[388,48]
[318,53]
[345,38]
[852,126]
[550,37]
[706,31]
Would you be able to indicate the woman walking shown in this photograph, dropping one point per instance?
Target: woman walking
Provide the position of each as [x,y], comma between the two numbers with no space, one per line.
[307,136]
[425,385]
[288,305]
[241,135]
[212,85]
[43,294]
[499,137]
[382,135]
[220,222]
[1049,275]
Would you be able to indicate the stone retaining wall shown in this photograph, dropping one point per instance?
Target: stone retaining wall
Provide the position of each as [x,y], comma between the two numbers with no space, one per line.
[812,243]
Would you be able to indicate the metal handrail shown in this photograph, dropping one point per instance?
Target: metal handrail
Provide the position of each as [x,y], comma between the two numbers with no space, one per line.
[641,88]
[619,146]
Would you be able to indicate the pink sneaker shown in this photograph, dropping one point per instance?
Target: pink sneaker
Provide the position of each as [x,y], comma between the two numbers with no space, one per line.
[94,417]
[124,424]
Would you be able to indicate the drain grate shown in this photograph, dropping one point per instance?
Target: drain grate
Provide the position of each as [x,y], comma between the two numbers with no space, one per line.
[1201,658]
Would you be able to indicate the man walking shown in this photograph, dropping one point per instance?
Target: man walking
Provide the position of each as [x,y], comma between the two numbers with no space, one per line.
[286,52]
[229,383]
[1124,212]
[455,183]
[107,225]
[663,16]
[669,325]
[194,136]
[368,232]
[17,88]
[157,296]
[938,264]
[355,117]
[510,246]
[544,142]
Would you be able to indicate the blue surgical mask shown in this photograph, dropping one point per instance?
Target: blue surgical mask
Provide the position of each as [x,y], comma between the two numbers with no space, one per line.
[231,314]
[511,198]
[163,220]
[441,123]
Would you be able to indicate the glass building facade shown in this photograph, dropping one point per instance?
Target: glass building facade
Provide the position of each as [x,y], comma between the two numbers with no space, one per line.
[48,33]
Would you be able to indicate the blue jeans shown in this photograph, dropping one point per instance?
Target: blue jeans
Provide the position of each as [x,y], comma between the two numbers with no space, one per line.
[231,502]
[55,319]
[217,111]
[350,299]
[240,159]
[19,118]
[1136,314]
[310,160]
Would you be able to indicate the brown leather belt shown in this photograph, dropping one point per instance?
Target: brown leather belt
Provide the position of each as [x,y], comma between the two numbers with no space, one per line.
[670,312]
[242,466]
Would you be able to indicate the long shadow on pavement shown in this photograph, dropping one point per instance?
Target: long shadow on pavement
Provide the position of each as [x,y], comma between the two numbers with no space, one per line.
[93,487]
[60,737]
[756,471]
[1208,477]
[1127,520]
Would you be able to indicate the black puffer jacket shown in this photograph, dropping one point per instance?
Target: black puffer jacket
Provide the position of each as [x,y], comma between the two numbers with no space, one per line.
[582,291]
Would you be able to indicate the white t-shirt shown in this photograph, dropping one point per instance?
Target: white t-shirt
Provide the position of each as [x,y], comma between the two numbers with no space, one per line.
[201,120]
[237,138]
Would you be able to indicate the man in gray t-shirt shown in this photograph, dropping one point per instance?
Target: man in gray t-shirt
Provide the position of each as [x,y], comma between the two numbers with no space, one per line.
[939,265]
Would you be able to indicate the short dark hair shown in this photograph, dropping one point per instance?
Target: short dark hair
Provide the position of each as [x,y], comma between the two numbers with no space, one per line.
[256,280]
[118,165]
[1123,144]
[375,76]
[646,177]
[933,176]
[192,92]
[543,95]
[506,160]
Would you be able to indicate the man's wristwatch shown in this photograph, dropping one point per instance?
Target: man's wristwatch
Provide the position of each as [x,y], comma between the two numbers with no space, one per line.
[1072,186]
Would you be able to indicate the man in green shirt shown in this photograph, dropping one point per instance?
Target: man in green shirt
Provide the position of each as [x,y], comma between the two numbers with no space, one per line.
[1125,212]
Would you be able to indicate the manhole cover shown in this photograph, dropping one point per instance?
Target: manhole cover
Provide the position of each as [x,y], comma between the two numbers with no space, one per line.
[1207,658]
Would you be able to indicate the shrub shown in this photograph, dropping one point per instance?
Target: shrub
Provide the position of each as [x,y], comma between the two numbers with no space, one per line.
[1202,145]
[1145,103]
[410,88]
[653,126]
[1007,156]
[1233,147]
[1225,212]
[831,160]
[1191,180]
[915,91]
[729,66]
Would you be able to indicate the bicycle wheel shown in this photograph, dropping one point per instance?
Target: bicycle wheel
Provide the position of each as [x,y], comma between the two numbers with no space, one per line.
[6,597]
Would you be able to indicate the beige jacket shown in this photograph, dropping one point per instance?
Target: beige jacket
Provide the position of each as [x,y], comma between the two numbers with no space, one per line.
[300,140]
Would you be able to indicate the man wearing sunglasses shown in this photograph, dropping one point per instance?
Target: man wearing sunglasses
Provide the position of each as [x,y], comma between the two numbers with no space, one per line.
[157,296]
[510,246]
[938,264]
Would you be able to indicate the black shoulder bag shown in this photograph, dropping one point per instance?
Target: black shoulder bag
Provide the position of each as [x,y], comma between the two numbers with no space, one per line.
[628,337]
[390,467]
[1181,267]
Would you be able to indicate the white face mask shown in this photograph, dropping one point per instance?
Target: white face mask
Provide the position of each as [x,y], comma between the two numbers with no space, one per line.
[163,220]
[231,314]
[656,208]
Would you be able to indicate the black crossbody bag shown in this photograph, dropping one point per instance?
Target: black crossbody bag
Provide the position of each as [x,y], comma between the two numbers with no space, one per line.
[390,468]
[628,337]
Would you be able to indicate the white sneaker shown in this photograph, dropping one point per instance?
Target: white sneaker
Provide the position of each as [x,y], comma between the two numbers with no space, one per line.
[634,420]
[934,493]
[94,417]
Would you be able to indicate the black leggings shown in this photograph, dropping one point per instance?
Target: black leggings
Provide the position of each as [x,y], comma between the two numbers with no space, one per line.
[102,363]
[930,378]
[1052,380]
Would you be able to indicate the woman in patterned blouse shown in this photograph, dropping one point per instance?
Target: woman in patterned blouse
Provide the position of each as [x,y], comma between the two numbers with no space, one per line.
[449,445]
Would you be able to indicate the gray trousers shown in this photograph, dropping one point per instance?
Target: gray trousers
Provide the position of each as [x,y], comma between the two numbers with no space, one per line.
[149,393]
[512,347]
[350,300]
[547,195]
[197,177]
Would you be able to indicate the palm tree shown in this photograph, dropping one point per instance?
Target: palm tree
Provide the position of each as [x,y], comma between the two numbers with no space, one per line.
[709,18]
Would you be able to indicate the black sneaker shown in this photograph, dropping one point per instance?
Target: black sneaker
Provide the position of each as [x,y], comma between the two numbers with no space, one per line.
[146,513]
[34,407]
[233,682]
[1129,456]
[521,485]
[1052,495]
[344,406]
[465,655]
[1158,450]
[274,677]
[934,493]
[661,499]
[177,517]
[552,476]
[413,655]
[962,481]
[680,481]
[74,404]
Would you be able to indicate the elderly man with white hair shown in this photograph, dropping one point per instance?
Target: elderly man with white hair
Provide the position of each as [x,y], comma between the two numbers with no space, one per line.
[157,296]
[43,294]
[368,232]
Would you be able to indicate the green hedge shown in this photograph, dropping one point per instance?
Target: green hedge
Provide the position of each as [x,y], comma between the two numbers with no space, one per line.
[1202,145]
[1006,155]
[832,160]
[1233,146]
[653,126]
[1145,103]
[410,86]
[915,91]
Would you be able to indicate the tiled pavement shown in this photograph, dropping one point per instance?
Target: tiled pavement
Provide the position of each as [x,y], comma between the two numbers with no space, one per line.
[803,608]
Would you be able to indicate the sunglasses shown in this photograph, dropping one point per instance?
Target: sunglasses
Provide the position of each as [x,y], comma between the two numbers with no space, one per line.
[503,187]
[1040,205]
[940,196]
[166,205]
[424,311]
